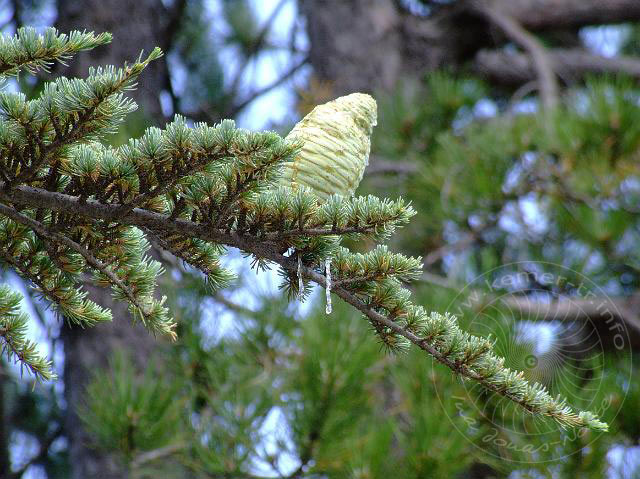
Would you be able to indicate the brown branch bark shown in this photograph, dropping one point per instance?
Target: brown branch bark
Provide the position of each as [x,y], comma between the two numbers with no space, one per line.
[155,454]
[456,33]
[570,65]
[539,58]
[88,256]
[549,14]
[35,197]
[5,427]
[29,196]
[379,166]
[608,316]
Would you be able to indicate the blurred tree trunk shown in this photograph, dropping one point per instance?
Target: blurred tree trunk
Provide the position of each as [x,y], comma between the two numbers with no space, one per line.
[354,45]
[366,45]
[369,45]
[87,350]
[4,425]
[135,26]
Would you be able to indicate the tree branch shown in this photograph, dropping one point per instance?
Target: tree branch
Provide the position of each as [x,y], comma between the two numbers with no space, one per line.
[237,108]
[552,14]
[570,65]
[600,312]
[156,454]
[257,43]
[35,197]
[380,167]
[541,62]
[91,260]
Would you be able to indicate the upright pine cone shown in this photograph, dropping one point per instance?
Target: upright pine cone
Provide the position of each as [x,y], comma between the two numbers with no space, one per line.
[336,139]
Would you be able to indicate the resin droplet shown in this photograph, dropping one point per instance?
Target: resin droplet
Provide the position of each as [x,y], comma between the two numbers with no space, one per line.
[300,284]
[327,270]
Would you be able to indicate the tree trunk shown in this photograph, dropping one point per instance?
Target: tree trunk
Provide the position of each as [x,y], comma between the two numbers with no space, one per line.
[4,424]
[136,26]
[87,350]
[366,45]
[354,45]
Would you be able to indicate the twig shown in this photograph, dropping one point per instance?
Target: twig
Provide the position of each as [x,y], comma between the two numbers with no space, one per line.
[320,232]
[440,281]
[74,132]
[172,259]
[30,196]
[43,231]
[439,253]
[381,167]
[541,61]
[520,94]
[257,43]
[568,64]
[237,108]
[156,454]
[235,307]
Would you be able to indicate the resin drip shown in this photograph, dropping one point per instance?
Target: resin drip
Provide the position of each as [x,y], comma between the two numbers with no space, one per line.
[327,270]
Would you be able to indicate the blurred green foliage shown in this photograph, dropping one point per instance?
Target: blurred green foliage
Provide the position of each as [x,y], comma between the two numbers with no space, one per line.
[283,390]
[346,410]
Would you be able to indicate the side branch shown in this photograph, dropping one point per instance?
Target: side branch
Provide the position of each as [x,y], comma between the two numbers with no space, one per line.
[548,14]
[543,66]
[510,384]
[569,64]
[40,198]
[91,260]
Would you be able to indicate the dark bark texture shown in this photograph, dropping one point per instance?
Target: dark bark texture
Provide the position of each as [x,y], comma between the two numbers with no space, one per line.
[4,425]
[87,350]
[135,26]
[355,45]
[364,45]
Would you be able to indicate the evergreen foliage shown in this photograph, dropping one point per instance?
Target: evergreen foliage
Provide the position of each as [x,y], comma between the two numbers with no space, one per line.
[71,205]
[13,332]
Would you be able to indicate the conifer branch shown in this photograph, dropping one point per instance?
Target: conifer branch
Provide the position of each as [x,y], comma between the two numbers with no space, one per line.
[13,330]
[146,311]
[25,256]
[68,203]
[86,114]
[471,358]
[32,51]
[393,316]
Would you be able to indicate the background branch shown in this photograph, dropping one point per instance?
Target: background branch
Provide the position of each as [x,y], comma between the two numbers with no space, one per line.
[260,249]
[540,60]
[571,65]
